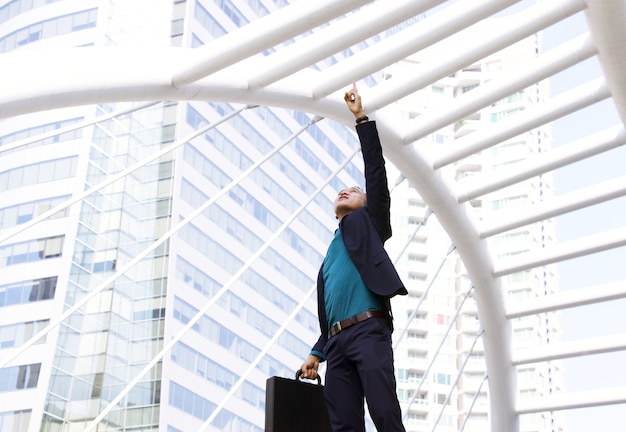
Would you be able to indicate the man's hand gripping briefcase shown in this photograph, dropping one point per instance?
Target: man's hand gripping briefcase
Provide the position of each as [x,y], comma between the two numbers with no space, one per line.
[295,406]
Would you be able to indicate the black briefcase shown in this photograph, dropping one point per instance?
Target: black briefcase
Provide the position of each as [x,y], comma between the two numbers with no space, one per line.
[295,406]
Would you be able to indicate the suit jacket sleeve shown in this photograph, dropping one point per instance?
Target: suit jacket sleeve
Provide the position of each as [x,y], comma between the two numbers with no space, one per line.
[378,198]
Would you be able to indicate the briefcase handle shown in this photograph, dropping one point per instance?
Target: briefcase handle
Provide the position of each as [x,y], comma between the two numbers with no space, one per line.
[299,372]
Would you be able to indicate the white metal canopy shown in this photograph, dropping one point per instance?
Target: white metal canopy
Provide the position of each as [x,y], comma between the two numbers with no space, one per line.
[228,69]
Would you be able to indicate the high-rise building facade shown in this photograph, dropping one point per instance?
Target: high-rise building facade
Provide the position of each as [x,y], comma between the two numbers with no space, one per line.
[199,256]
[237,251]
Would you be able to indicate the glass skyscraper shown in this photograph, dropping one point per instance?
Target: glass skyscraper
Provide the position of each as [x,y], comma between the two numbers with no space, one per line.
[194,250]
[69,376]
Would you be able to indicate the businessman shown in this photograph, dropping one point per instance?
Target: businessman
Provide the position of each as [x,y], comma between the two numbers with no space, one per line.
[354,286]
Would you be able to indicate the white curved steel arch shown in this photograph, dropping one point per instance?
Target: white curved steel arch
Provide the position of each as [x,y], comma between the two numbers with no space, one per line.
[220,71]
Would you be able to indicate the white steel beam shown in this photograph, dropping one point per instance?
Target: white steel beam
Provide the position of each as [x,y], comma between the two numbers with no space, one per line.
[606,20]
[562,251]
[567,299]
[557,107]
[405,43]
[272,29]
[544,162]
[31,81]
[578,348]
[505,84]
[471,45]
[581,198]
[354,28]
[564,401]
[42,80]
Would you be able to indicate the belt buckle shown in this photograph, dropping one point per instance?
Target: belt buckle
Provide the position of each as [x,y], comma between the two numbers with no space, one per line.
[338,325]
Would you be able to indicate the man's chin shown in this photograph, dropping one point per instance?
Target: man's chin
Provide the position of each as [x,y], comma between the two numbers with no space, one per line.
[345,208]
[341,207]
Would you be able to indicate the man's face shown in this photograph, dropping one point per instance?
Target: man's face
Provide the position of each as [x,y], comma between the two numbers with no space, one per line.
[348,200]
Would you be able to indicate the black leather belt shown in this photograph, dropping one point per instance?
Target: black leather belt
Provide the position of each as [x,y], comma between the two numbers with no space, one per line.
[344,324]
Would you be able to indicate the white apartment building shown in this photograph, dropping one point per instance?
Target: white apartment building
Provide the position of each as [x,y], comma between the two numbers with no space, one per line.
[443,336]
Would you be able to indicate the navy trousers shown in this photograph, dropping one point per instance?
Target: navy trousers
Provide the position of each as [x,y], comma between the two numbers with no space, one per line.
[360,366]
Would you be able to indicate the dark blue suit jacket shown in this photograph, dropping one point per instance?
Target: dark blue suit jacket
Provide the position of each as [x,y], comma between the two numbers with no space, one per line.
[365,230]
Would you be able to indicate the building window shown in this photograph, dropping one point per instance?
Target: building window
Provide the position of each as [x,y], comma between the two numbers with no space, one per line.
[14,335]
[522,335]
[19,377]
[465,89]
[27,175]
[104,266]
[440,378]
[199,407]
[207,21]
[522,276]
[22,213]
[41,129]
[205,167]
[233,13]
[441,399]
[501,115]
[197,363]
[519,294]
[509,202]
[14,8]
[15,421]
[27,291]
[31,251]
[214,331]
[441,319]
[49,28]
